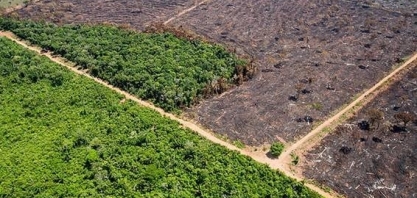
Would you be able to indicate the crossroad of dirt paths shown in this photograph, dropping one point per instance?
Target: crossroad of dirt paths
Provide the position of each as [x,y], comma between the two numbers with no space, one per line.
[282,163]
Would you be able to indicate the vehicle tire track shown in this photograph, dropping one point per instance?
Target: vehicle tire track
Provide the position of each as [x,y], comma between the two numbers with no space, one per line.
[17,7]
[285,158]
[185,11]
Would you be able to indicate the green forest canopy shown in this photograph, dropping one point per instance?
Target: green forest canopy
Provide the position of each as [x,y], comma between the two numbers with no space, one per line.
[169,71]
[63,135]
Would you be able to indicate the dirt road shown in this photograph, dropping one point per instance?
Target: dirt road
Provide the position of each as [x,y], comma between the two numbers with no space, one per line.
[285,157]
[259,157]
[280,164]
[8,10]
[185,11]
[187,124]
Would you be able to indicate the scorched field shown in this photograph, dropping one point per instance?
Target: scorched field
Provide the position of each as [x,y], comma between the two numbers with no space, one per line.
[374,153]
[312,56]
[278,69]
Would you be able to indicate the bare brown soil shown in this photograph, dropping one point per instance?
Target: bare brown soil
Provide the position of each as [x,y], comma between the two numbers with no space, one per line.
[134,13]
[379,162]
[321,52]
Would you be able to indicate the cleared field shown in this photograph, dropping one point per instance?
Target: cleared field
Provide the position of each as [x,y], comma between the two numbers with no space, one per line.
[171,72]
[63,135]
[11,3]
[313,57]
[374,153]
[136,13]
[397,5]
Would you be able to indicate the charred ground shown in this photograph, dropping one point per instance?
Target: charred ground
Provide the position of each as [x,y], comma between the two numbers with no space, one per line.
[373,154]
[313,56]
[135,13]
[394,5]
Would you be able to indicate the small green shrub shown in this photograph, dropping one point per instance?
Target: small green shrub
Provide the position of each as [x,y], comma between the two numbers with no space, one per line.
[294,159]
[239,144]
[317,106]
[276,149]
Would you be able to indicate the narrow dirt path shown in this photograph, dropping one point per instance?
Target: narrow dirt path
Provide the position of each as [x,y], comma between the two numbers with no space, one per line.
[18,7]
[185,11]
[285,158]
[259,157]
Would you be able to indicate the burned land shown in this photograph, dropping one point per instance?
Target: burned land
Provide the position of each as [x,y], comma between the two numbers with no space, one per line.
[396,5]
[312,56]
[374,154]
[135,13]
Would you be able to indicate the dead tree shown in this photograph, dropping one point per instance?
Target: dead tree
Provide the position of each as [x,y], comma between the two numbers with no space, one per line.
[405,117]
[375,117]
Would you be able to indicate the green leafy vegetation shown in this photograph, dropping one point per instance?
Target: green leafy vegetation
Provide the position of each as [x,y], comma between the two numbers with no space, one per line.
[276,149]
[63,135]
[317,106]
[169,71]
[239,144]
[294,159]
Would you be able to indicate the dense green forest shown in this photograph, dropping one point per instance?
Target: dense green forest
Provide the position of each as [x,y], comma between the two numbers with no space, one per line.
[169,71]
[63,135]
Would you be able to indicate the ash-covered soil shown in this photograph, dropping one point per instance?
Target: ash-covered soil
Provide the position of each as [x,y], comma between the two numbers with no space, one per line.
[136,13]
[396,5]
[376,162]
[313,57]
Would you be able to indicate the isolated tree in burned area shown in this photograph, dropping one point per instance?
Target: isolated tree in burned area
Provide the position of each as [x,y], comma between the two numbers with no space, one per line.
[405,117]
[375,116]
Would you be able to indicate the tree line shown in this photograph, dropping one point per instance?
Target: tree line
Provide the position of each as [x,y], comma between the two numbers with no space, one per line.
[171,72]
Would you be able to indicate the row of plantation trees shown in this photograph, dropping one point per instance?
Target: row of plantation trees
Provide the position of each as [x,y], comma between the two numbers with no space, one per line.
[172,72]
[75,138]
